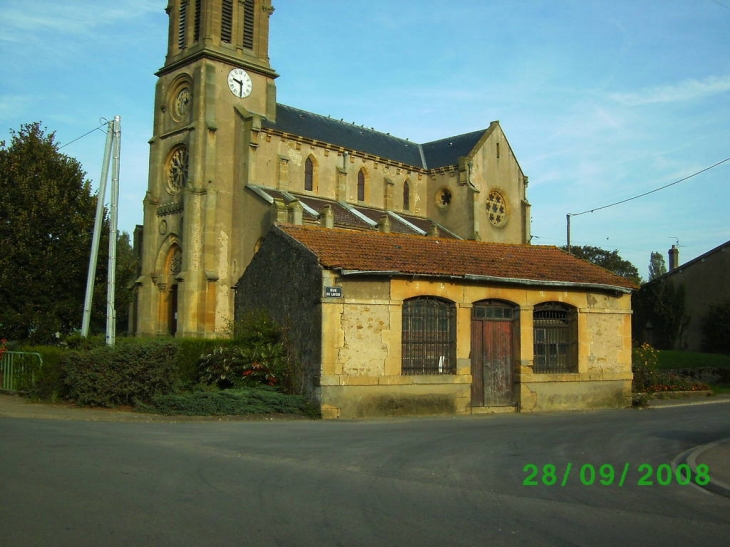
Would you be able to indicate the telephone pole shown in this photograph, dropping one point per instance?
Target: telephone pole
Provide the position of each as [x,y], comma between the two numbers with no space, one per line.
[111,153]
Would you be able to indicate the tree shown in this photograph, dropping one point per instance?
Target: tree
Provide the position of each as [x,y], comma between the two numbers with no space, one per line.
[126,274]
[46,222]
[657,266]
[661,305]
[716,328]
[607,259]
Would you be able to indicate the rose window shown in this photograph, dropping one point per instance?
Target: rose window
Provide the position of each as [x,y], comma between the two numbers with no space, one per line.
[177,171]
[443,197]
[496,208]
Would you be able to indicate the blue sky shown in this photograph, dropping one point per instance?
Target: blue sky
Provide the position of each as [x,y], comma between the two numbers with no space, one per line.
[601,100]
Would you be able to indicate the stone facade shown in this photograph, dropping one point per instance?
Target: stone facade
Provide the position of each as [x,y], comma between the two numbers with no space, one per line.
[360,371]
[225,166]
[252,204]
[705,281]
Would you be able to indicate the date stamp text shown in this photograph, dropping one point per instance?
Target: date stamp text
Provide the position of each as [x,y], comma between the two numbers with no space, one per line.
[607,475]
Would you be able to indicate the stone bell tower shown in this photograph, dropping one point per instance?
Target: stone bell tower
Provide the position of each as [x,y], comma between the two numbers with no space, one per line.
[215,86]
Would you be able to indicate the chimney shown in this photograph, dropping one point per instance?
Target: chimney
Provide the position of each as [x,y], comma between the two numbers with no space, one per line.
[384,224]
[327,217]
[673,258]
[296,213]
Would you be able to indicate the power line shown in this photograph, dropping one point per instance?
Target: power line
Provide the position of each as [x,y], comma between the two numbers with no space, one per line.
[105,122]
[650,191]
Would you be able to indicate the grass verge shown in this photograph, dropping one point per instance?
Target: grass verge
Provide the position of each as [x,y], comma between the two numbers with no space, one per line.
[670,359]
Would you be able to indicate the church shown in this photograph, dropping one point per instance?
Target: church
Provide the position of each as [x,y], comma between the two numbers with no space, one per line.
[403,271]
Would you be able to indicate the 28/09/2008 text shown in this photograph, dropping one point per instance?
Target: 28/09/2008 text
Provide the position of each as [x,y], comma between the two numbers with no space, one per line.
[607,475]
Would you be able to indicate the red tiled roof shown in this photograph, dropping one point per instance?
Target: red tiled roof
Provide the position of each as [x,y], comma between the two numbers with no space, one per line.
[359,251]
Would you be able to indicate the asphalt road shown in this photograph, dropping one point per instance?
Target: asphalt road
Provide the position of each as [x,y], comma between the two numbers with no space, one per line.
[446,481]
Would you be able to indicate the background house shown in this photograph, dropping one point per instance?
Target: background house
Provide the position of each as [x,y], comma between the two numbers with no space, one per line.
[690,288]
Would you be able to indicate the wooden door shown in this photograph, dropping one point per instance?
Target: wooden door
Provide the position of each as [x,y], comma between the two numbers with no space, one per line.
[492,356]
[172,310]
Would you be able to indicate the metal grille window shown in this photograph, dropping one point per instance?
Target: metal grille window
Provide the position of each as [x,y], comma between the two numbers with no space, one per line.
[248,23]
[556,338]
[227,21]
[429,336]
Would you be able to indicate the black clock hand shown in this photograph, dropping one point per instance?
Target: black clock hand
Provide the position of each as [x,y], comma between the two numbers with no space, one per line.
[240,85]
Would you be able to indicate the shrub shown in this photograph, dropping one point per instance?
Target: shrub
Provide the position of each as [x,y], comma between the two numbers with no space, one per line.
[78,342]
[191,350]
[644,363]
[48,384]
[649,379]
[231,402]
[257,355]
[123,374]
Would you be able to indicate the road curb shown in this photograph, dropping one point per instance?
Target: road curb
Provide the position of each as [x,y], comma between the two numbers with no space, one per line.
[690,457]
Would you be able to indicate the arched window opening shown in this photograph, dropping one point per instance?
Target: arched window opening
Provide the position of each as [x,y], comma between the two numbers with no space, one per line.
[428,336]
[361,185]
[555,338]
[406,196]
[309,175]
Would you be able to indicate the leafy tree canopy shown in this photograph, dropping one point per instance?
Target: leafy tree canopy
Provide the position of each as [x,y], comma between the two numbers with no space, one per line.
[610,260]
[46,222]
[716,328]
[657,266]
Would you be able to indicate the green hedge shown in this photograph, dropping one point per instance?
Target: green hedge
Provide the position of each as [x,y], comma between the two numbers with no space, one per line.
[231,402]
[48,384]
[123,374]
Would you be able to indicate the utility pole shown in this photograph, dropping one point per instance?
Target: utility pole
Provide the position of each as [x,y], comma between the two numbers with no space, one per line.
[568,217]
[111,148]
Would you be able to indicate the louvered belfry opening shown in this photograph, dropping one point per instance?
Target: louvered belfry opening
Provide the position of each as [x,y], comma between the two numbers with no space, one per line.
[555,338]
[182,24]
[248,23]
[196,25]
[227,21]
[429,336]
[239,19]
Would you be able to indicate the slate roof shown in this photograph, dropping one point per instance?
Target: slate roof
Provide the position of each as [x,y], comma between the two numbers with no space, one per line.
[345,214]
[432,155]
[351,252]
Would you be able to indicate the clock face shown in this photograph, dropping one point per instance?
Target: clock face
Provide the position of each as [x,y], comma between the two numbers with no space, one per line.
[182,103]
[239,82]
